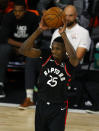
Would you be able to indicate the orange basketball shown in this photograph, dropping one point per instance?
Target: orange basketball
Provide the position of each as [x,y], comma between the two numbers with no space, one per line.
[53,17]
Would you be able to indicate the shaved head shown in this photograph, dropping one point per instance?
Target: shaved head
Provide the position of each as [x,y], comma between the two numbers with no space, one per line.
[71,15]
[71,8]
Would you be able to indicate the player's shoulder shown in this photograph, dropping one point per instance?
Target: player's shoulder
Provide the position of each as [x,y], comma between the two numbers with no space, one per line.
[56,33]
[56,30]
[81,29]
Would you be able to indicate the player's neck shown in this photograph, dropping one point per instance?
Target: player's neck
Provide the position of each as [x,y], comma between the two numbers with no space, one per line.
[57,61]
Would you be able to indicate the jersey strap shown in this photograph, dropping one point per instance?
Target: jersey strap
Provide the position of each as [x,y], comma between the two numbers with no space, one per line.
[67,71]
[46,61]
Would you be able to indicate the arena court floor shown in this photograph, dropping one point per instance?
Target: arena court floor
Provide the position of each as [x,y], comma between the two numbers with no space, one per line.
[13,119]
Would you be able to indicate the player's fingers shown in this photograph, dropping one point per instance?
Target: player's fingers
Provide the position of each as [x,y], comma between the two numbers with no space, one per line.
[61,30]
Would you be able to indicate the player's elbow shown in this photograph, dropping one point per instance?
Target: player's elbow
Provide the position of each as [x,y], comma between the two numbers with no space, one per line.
[75,62]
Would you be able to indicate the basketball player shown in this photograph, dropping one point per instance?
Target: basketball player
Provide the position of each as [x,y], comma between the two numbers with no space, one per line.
[54,79]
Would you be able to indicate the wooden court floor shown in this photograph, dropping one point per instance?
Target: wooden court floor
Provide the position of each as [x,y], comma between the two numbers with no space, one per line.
[13,119]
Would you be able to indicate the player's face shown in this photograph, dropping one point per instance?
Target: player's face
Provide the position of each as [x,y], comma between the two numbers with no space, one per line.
[58,51]
[70,16]
[19,11]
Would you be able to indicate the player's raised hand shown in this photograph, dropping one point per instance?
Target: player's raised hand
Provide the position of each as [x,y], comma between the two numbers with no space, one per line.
[63,28]
[42,24]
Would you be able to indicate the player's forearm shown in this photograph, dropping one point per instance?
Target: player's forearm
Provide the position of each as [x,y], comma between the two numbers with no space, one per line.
[14,43]
[70,50]
[29,43]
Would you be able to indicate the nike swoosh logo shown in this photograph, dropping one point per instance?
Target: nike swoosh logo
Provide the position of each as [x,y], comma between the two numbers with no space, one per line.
[63,109]
[51,60]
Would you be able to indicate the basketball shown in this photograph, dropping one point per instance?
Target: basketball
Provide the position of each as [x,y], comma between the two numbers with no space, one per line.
[53,17]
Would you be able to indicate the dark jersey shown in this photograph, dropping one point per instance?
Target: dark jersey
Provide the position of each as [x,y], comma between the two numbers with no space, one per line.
[54,79]
[21,29]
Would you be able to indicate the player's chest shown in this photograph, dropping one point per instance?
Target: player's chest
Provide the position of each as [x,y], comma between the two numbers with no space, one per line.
[53,75]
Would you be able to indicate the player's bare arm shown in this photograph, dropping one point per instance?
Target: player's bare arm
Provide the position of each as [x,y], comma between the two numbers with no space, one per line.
[14,43]
[27,48]
[69,48]
[80,52]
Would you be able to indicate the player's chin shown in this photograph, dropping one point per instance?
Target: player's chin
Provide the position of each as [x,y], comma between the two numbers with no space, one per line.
[56,57]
